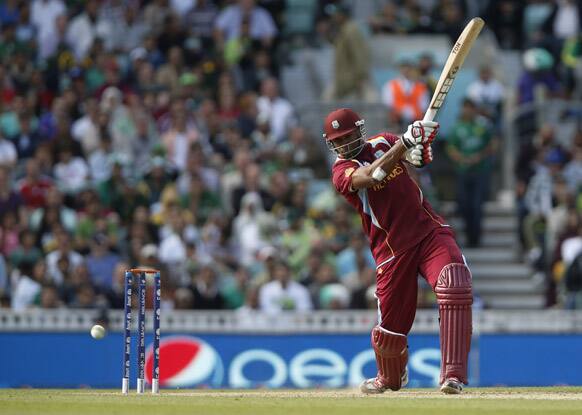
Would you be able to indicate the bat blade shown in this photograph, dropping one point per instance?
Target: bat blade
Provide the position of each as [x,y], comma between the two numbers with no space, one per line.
[453,64]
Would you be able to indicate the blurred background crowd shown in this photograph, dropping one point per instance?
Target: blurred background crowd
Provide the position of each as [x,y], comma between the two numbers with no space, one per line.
[157,134]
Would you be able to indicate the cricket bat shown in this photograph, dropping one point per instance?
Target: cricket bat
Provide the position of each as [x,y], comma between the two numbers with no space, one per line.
[454,62]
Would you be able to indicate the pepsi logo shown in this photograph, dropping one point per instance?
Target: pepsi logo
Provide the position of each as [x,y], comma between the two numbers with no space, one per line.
[186,362]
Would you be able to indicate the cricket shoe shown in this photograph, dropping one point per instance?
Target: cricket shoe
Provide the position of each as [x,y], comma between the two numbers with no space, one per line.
[452,386]
[374,386]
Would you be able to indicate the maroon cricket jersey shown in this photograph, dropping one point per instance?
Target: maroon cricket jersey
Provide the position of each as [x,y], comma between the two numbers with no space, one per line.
[395,215]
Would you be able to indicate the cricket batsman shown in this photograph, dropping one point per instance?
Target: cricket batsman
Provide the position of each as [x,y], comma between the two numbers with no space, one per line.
[407,238]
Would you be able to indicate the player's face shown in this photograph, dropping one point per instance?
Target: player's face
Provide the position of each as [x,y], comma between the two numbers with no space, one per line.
[349,145]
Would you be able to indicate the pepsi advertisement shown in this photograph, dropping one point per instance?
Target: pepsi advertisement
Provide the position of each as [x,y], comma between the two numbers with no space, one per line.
[74,360]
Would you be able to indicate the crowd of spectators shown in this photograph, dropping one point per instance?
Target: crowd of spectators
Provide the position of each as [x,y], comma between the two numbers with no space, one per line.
[155,134]
[549,141]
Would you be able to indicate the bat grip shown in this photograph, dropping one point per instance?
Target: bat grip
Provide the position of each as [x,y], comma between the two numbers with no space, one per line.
[429,115]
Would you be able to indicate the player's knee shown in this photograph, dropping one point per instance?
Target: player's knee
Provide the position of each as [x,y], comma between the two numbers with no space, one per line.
[454,285]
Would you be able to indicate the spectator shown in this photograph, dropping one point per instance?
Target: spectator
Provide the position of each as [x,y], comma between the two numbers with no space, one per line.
[229,23]
[564,21]
[43,14]
[205,289]
[277,109]
[200,19]
[352,60]
[8,153]
[34,187]
[26,250]
[235,292]
[169,74]
[71,173]
[9,12]
[505,18]
[283,294]
[574,284]
[250,227]
[538,64]
[471,146]
[87,27]
[64,250]
[129,31]
[54,41]
[573,171]
[155,14]
[28,285]
[172,35]
[387,21]
[324,277]
[27,140]
[101,263]
[9,233]
[488,93]
[334,297]
[405,96]
[178,140]
[49,297]
[251,184]
[10,200]
[86,129]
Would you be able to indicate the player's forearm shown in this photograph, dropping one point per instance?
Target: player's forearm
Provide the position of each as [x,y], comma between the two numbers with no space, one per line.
[364,176]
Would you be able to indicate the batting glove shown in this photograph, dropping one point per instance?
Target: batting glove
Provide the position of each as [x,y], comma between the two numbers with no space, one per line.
[419,156]
[420,132]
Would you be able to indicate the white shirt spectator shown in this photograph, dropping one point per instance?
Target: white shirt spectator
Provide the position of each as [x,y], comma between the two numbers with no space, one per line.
[280,114]
[486,93]
[573,172]
[248,227]
[24,293]
[100,165]
[230,19]
[278,110]
[82,32]
[182,7]
[274,298]
[128,35]
[52,264]
[566,22]
[87,133]
[538,196]
[72,176]
[570,249]
[8,153]
[43,14]
[172,249]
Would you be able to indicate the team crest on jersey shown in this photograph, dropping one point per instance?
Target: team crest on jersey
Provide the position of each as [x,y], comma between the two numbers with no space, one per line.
[335,124]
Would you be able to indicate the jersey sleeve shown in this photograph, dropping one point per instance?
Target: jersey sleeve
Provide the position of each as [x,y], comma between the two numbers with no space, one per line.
[342,176]
[383,141]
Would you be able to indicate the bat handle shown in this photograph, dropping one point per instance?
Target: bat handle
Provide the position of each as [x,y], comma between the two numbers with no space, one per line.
[429,115]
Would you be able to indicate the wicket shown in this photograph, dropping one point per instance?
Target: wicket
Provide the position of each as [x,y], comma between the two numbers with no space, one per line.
[141,274]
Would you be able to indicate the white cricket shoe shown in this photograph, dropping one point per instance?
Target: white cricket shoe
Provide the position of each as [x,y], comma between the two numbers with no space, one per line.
[452,386]
[374,386]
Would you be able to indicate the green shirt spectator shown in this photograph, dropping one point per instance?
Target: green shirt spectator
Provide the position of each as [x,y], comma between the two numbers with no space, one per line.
[26,251]
[471,141]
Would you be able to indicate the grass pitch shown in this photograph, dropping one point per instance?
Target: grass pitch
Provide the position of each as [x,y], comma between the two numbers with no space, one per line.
[498,401]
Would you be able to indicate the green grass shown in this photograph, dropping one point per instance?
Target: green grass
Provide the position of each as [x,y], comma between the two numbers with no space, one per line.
[498,401]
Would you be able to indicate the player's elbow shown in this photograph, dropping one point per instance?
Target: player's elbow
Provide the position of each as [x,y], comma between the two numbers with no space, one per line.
[362,178]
